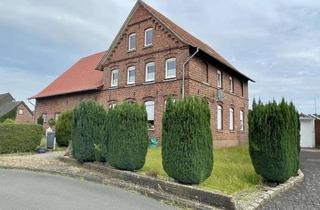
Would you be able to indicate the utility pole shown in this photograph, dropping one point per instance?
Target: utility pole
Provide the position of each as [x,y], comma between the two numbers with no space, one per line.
[315,105]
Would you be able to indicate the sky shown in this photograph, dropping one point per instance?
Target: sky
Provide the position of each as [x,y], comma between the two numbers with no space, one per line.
[274,42]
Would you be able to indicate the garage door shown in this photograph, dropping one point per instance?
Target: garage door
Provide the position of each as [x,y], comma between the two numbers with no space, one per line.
[307,133]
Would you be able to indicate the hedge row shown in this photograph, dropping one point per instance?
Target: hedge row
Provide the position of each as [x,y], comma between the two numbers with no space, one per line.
[19,137]
[274,140]
[187,151]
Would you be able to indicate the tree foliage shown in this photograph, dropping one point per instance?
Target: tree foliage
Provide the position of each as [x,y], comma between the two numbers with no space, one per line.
[187,150]
[127,141]
[274,140]
[88,128]
[63,128]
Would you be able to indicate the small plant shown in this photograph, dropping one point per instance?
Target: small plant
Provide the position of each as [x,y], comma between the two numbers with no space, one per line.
[51,122]
[63,128]
[8,121]
[97,152]
[187,150]
[274,140]
[40,120]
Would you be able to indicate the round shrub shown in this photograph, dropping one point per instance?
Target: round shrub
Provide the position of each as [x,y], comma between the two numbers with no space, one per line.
[40,120]
[88,125]
[274,140]
[187,151]
[127,141]
[63,128]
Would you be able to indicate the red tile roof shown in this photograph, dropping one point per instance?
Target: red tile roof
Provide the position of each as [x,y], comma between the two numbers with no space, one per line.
[82,76]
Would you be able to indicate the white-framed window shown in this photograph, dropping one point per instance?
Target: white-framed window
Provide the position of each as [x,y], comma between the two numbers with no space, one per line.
[132,41]
[241,120]
[148,37]
[131,78]
[170,68]
[56,115]
[112,105]
[219,79]
[20,112]
[44,117]
[219,117]
[150,72]
[114,77]
[231,119]
[150,113]
[231,85]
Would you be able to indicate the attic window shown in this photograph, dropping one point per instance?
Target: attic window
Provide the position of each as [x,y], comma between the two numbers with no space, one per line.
[148,37]
[20,112]
[132,42]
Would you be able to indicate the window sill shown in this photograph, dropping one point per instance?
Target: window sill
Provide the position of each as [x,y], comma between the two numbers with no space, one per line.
[132,50]
[112,88]
[170,79]
[232,131]
[151,129]
[149,82]
[205,83]
[219,131]
[130,85]
[147,46]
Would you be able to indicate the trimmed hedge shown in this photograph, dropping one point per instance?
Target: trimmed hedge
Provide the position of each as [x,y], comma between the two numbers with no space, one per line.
[16,138]
[127,143]
[274,140]
[187,150]
[63,128]
[88,125]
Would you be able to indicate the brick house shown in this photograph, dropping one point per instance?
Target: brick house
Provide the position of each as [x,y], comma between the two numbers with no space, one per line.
[152,58]
[9,107]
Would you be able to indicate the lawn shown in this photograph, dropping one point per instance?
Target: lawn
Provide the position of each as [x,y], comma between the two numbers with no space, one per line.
[232,170]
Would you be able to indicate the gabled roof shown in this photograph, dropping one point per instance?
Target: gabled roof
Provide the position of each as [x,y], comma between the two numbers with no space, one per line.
[7,107]
[78,78]
[183,35]
[6,97]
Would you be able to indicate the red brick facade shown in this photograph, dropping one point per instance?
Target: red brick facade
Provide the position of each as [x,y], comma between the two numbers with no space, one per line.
[317,132]
[200,79]
[24,114]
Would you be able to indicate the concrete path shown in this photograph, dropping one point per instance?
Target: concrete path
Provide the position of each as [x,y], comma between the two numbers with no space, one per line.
[29,190]
[307,195]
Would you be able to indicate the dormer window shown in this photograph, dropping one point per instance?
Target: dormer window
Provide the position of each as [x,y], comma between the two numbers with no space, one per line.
[132,42]
[148,37]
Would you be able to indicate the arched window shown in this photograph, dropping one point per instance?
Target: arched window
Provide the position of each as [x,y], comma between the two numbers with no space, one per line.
[231,85]
[112,104]
[170,68]
[114,77]
[231,119]
[219,79]
[148,37]
[150,113]
[241,120]
[131,78]
[219,117]
[150,72]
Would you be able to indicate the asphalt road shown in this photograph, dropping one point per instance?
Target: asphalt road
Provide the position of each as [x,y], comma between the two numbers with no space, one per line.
[29,190]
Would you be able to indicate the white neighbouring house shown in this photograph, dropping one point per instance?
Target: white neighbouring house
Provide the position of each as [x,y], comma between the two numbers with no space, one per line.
[308,131]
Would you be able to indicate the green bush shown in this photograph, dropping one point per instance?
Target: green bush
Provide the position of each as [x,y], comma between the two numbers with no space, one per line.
[8,121]
[51,122]
[63,128]
[19,137]
[87,129]
[274,140]
[40,120]
[10,115]
[127,141]
[97,153]
[187,151]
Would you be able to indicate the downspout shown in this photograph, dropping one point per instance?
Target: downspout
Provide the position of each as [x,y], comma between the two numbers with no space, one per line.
[183,70]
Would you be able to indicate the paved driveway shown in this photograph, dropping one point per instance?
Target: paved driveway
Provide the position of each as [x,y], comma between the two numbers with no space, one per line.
[29,190]
[307,195]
